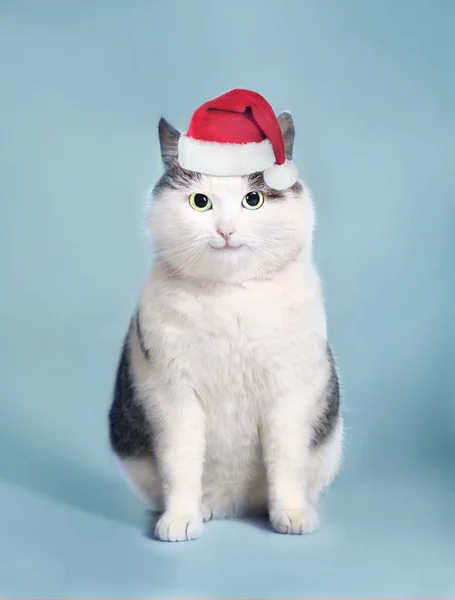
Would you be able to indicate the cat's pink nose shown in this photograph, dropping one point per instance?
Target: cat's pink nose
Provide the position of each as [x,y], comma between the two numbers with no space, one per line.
[225,233]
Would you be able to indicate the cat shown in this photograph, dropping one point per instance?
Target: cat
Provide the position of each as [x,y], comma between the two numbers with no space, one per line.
[227,398]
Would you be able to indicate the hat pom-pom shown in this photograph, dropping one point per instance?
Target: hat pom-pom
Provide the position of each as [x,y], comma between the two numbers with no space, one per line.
[281,177]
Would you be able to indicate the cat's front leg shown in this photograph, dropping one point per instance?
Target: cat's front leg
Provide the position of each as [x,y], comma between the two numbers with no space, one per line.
[286,436]
[180,447]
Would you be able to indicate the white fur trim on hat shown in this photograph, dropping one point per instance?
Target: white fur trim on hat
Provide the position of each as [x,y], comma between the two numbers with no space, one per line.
[281,177]
[224,160]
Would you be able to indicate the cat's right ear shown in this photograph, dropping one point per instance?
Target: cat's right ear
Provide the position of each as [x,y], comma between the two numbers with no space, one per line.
[169,141]
[288,130]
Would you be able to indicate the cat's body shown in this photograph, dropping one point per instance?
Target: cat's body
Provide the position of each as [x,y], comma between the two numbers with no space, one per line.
[226,397]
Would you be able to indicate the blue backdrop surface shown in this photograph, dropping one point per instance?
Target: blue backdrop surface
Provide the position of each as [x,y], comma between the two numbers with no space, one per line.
[372,89]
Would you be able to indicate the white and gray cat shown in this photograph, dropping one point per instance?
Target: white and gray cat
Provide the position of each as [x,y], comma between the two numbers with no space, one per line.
[226,397]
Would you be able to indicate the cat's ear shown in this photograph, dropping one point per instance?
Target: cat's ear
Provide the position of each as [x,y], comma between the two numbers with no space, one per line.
[169,141]
[288,130]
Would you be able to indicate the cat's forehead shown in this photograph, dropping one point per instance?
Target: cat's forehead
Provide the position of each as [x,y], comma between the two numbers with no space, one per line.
[235,186]
[220,186]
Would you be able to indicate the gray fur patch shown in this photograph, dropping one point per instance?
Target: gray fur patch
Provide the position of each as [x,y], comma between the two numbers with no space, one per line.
[140,336]
[129,431]
[323,428]
[176,178]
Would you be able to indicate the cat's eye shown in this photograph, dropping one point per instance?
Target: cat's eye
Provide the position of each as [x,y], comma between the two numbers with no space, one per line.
[253,200]
[200,202]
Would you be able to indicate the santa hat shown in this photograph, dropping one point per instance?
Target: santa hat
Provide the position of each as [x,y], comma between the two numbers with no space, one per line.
[237,134]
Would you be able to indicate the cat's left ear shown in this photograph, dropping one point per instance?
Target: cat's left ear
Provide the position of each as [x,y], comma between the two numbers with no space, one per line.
[169,142]
[288,130]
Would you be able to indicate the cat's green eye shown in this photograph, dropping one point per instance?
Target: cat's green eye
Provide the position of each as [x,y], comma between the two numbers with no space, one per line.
[200,202]
[253,200]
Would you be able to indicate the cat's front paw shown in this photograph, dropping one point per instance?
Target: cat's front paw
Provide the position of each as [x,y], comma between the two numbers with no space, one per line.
[295,521]
[176,527]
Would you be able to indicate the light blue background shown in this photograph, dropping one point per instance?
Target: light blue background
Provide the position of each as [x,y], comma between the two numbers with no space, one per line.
[372,88]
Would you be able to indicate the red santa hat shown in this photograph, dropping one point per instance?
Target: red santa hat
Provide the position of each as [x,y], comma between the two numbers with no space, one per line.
[237,134]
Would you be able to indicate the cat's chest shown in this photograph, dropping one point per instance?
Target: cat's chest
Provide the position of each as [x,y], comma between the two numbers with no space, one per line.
[232,341]
[243,317]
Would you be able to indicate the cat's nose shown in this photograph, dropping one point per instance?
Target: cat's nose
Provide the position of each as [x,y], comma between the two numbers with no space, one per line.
[225,233]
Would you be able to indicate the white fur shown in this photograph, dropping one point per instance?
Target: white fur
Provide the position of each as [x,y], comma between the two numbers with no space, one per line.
[238,364]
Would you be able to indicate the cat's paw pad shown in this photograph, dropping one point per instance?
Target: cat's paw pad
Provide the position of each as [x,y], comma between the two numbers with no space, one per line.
[176,527]
[295,521]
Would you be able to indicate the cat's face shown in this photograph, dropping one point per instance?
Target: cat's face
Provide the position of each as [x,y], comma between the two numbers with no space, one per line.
[229,229]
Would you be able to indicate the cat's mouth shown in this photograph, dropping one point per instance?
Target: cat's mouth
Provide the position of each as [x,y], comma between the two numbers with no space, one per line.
[226,248]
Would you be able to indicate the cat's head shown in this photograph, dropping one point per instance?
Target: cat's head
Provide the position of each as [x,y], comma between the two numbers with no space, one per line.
[227,229]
